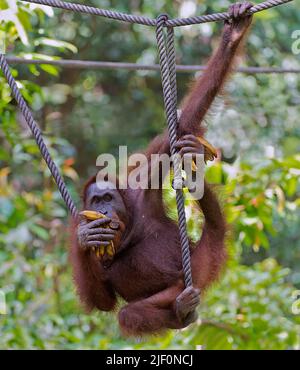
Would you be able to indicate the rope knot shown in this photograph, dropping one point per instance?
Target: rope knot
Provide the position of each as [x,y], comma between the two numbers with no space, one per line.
[162,19]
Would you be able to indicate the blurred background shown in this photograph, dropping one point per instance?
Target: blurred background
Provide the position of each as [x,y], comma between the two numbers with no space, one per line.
[86,112]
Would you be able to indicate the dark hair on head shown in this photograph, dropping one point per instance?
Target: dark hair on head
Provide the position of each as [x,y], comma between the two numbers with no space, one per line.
[93,180]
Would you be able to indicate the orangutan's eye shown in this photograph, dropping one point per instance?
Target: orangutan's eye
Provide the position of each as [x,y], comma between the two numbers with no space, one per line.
[96,199]
[107,197]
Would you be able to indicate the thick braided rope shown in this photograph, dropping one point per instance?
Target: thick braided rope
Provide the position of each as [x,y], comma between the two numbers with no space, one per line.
[186,258]
[223,16]
[172,67]
[80,8]
[167,75]
[38,136]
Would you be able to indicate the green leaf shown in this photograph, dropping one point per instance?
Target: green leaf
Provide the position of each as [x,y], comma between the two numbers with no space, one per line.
[56,44]
[50,69]
[39,231]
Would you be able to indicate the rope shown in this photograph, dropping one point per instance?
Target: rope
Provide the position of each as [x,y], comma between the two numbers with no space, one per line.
[80,8]
[172,68]
[138,19]
[38,136]
[89,64]
[223,16]
[168,77]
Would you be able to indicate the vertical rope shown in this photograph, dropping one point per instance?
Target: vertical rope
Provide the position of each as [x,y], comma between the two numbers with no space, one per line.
[168,76]
[172,66]
[38,136]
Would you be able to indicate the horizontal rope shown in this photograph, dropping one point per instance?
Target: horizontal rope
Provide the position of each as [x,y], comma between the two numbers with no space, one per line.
[223,16]
[138,19]
[89,64]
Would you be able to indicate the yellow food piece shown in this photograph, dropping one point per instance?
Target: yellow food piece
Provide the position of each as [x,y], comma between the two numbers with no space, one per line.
[210,152]
[194,167]
[102,250]
[111,250]
[92,215]
[99,251]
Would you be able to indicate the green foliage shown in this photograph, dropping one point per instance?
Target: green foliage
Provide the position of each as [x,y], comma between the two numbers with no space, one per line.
[84,113]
